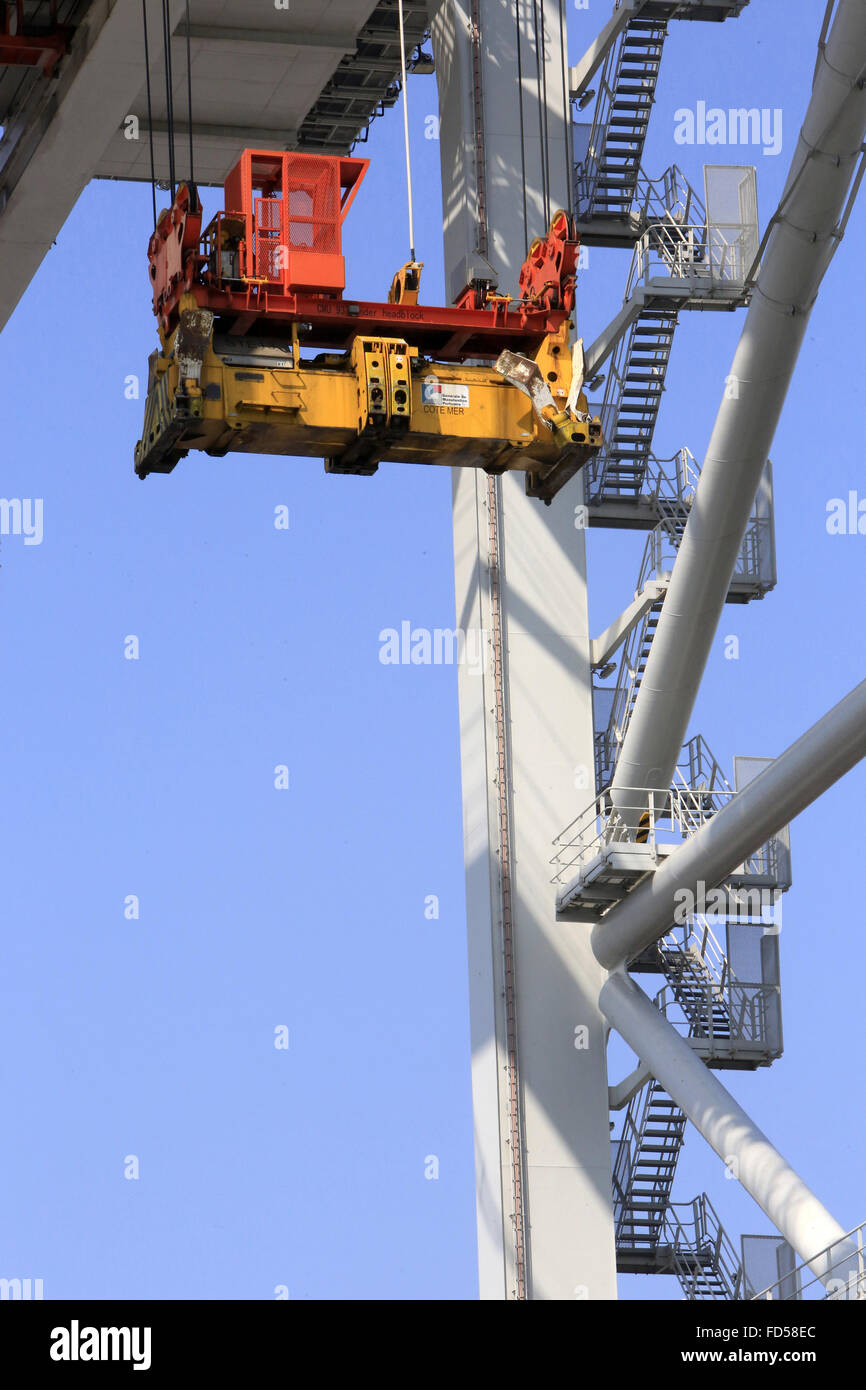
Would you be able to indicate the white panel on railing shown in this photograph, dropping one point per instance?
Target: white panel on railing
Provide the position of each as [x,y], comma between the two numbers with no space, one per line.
[732,219]
[746,769]
[766,1259]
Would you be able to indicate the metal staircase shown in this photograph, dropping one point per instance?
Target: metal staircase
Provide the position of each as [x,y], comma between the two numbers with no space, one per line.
[635,385]
[608,203]
[688,253]
[643,1174]
[752,579]
[609,739]
[681,261]
[607,179]
[701,1254]
[699,991]
[732,1023]
[654,1235]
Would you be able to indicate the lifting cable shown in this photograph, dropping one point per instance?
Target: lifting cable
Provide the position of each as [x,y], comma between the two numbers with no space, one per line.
[149,109]
[169,93]
[538,33]
[541,93]
[169,99]
[522,135]
[189,96]
[566,102]
[406,132]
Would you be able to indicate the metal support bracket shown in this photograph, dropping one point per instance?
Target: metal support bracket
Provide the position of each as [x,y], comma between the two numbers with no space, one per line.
[602,648]
[619,1096]
[583,72]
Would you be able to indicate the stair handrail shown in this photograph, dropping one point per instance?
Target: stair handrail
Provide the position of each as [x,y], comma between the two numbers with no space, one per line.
[667,813]
[848,1256]
[586,171]
[671,195]
[745,1005]
[673,480]
[660,550]
[633,1133]
[709,1234]
[629,1140]
[691,252]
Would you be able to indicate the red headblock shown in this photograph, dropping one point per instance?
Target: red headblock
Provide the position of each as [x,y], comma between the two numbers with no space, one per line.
[274,257]
[548,276]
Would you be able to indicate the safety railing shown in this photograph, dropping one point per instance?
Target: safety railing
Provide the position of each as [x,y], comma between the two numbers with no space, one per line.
[672,480]
[624,693]
[669,198]
[699,772]
[625,1172]
[705,1262]
[723,1010]
[675,478]
[843,1276]
[662,817]
[665,816]
[660,551]
[738,1013]
[704,258]
[696,935]
[663,542]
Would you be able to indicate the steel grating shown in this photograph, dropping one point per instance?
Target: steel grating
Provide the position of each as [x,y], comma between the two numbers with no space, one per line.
[367,82]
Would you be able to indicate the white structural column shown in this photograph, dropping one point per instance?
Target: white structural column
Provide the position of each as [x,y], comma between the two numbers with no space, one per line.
[792,1206]
[539,1073]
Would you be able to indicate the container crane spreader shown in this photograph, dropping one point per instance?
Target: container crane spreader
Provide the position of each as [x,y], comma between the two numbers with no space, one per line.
[241,304]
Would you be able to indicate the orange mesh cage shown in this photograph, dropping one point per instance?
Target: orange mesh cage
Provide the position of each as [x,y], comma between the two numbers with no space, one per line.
[293,206]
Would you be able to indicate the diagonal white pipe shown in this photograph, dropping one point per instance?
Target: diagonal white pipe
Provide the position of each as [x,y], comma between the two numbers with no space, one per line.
[792,1207]
[821,755]
[798,253]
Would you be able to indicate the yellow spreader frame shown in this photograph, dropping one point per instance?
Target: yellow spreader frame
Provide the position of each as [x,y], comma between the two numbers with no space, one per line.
[378,401]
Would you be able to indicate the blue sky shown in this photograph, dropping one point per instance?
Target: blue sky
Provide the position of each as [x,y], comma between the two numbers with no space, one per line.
[304,908]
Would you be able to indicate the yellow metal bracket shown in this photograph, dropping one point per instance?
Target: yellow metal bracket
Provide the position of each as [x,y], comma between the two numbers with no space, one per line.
[406,284]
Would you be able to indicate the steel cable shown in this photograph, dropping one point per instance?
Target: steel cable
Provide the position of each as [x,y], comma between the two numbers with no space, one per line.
[169,92]
[149,108]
